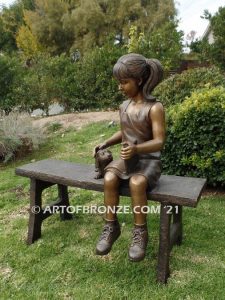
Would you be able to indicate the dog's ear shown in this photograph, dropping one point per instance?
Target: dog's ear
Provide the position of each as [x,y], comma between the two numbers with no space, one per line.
[95,156]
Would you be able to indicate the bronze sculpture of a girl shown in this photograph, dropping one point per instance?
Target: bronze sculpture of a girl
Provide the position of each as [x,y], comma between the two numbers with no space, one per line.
[142,136]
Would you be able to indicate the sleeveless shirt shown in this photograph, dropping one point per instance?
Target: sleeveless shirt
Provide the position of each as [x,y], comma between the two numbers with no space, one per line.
[136,128]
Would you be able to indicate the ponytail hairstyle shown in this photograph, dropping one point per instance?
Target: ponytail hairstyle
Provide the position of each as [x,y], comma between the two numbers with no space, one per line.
[136,66]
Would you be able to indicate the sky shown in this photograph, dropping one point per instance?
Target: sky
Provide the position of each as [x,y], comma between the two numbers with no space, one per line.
[189,12]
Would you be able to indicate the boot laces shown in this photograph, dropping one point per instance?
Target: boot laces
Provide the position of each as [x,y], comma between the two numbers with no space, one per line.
[137,238]
[107,230]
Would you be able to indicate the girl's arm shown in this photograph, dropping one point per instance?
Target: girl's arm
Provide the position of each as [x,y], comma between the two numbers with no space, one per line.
[157,119]
[116,138]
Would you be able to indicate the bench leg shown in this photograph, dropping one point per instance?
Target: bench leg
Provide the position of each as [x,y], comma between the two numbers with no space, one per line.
[177,223]
[164,245]
[39,214]
[35,218]
[64,201]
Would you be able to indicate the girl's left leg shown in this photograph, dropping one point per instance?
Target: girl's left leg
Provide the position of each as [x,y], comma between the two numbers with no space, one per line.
[111,229]
[138,185]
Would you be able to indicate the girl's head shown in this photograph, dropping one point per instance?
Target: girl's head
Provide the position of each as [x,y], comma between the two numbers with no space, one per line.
[148,72]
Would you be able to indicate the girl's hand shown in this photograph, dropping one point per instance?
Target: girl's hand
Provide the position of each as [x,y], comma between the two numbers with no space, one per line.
[99,147]
[128,150]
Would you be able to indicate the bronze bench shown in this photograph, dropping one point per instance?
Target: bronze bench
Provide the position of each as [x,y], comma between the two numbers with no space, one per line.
[171,191]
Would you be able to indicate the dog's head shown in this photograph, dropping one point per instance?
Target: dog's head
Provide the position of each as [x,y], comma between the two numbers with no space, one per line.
[104,155]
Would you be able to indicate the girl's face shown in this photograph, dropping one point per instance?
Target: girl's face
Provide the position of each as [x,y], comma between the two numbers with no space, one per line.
[129,87]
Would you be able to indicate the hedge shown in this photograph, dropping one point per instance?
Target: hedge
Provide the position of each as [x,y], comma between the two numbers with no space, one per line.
[195,143]
[176,88]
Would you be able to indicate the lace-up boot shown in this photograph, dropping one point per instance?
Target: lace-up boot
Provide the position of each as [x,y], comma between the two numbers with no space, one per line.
[110,233]
[139,243]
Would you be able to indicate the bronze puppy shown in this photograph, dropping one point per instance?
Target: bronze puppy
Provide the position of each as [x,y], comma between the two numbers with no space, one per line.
[102,159]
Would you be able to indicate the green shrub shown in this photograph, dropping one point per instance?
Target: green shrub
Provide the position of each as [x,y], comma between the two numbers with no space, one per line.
[39,86]
[195,143]
[176,88]
[10,72]
[28,88]
[81,85]
[164,42]
[18,136]
[89,84]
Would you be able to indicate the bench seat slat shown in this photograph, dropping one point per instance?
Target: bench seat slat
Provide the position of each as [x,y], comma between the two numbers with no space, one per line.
[179,190]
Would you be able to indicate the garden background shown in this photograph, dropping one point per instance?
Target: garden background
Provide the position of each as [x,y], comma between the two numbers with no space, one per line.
[63,52]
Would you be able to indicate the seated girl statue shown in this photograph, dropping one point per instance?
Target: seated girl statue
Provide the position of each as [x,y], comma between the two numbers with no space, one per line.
[142,137]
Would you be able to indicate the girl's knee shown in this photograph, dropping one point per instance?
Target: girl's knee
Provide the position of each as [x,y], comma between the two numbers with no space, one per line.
[138,183]
[111,180]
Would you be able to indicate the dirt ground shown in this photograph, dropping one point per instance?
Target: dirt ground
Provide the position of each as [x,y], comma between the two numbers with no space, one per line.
[78,120]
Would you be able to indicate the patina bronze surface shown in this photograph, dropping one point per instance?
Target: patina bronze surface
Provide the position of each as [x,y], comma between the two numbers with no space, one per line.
[173,192]
[136,129]
[102,159]
[142,135]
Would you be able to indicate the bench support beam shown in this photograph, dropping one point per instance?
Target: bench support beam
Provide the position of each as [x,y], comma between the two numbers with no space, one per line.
[173,192]
[164,245]
[38,213]
[176,231]
[169,235]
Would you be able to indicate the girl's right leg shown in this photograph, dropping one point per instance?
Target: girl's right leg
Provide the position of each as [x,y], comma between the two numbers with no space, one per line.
[111,229]
[111,195]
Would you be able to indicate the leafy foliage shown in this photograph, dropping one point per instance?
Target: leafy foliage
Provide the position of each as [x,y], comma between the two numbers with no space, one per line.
[163,43]
[196,136]
[10,21]
[29,87]
[27,42]
[46,25]
[64,26]
[176,88]
[84,84]
[218,28]
[213,52]
[38,87]
[10,73]
[7,41]
[88,84]
[94,20]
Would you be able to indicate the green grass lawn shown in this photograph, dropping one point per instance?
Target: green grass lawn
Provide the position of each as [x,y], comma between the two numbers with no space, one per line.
[63,265]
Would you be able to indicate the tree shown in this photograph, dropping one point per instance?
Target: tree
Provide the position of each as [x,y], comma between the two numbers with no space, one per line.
[10,21]
[214,52]
[7,41]
[163,43]
[46,24]
[10,73]
[68,25]
[89,24]
[27,42]
[217,52]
